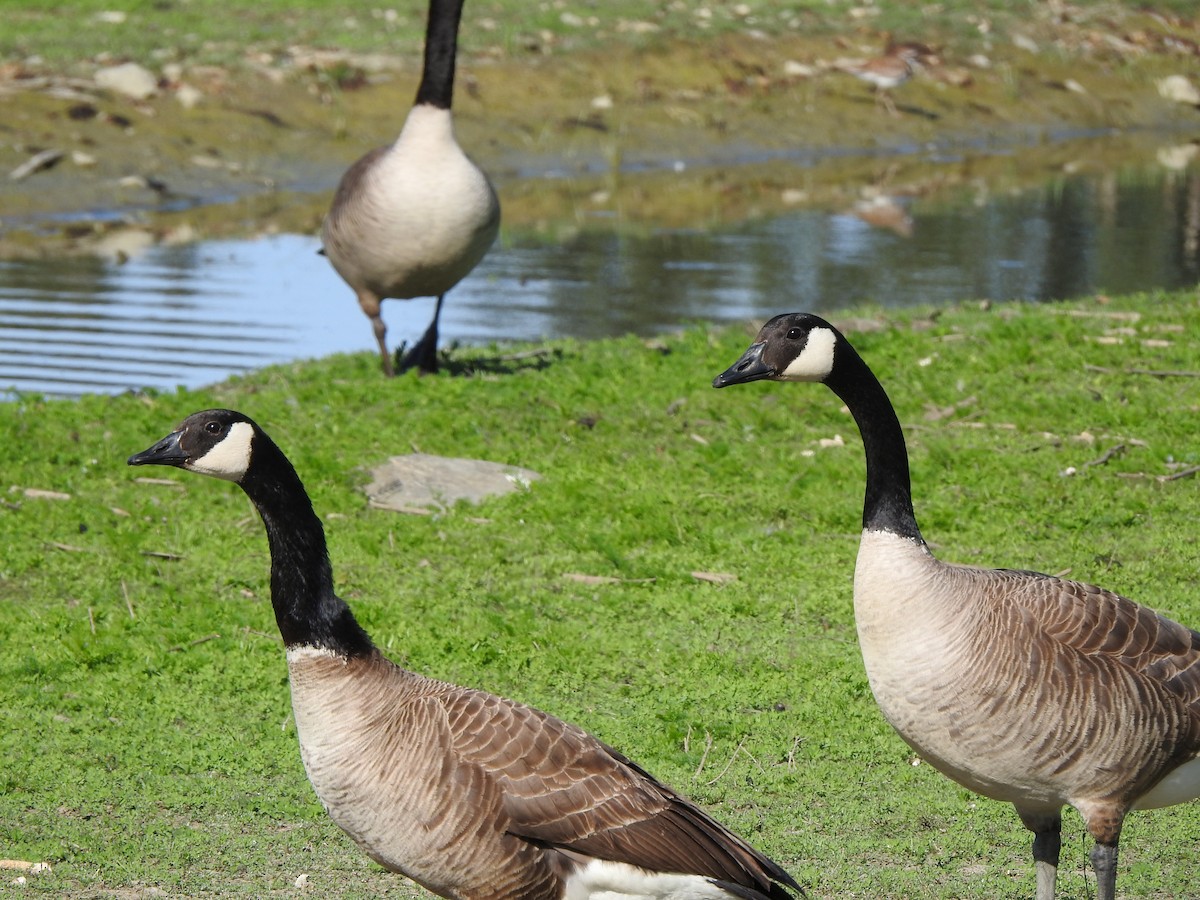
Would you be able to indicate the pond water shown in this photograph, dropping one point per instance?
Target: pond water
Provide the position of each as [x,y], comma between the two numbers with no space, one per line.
[192,314]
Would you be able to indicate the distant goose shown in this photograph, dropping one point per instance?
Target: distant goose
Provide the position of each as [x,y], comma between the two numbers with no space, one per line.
[884,73]
[1022,687]
[412,219]
[471,795]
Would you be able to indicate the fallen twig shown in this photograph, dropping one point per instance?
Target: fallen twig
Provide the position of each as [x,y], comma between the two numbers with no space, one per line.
[1182,473]
[708,742]
[1157,373]
[1115,450]
[408,510]
[262,634]
[163,554]
[732,757]
[67,548]
[197,642]
[39,494]
[168,482]
[791,757]
[604,579]
[715,577]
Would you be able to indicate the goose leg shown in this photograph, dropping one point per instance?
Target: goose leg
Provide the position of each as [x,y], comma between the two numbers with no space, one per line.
[884,99]
[423,355]
[1104,821]
[1104,861]
[1047,843]
[370,306]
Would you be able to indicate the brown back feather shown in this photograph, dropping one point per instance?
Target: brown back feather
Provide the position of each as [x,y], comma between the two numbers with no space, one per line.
[1100,623]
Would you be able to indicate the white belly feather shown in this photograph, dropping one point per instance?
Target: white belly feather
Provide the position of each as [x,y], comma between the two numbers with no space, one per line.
[605,880]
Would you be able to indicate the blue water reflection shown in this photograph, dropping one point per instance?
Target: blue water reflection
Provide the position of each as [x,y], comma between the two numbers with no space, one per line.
[190,315]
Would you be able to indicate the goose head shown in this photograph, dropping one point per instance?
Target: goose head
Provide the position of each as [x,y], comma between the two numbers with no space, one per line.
[790,347]
[216,442]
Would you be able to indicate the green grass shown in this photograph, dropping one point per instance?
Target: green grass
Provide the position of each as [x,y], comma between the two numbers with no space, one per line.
[144,713]
[213,31]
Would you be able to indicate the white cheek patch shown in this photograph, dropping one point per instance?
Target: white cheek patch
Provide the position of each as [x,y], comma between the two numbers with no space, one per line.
[230,458]
[815,361]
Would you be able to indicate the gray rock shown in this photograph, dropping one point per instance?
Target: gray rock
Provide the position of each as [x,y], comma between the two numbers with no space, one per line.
[419,482]
[187,96]
[129,79]
[1178,89]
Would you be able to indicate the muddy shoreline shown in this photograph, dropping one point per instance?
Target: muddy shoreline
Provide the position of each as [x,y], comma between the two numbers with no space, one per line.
[679,135]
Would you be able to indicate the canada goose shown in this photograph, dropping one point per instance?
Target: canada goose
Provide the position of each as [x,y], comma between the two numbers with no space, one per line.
[469,794]
[413,218]
[1020,686]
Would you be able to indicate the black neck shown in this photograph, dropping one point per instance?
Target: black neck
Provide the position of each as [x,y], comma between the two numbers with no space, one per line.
[888,502]
[441,44]
[307,610]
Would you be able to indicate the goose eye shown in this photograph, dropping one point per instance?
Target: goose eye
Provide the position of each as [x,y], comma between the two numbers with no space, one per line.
[212,427]
[794,334]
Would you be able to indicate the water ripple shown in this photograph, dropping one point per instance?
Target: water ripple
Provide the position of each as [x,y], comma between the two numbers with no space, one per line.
[191,315]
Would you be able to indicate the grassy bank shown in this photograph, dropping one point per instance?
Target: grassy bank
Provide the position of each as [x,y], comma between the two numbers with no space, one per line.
[212,32]
[215,32]
[577,111]
[144,717]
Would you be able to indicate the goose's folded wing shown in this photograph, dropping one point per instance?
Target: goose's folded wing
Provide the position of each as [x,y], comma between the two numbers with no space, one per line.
[563,788]
[1097,622]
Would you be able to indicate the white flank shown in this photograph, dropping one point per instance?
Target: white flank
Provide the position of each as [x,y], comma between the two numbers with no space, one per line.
[1180,785]
[230,458]
[606,880]
[815,361]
